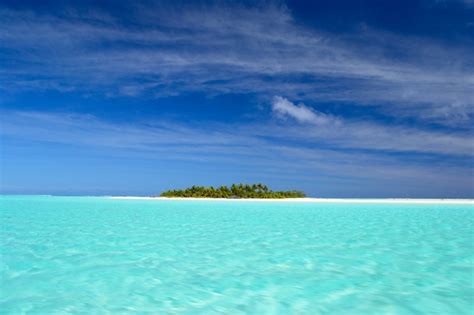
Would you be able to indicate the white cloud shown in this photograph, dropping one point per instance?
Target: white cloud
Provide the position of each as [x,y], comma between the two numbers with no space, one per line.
[283,107]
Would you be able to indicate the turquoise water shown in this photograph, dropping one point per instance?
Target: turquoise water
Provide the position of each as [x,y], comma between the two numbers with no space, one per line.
[97,255]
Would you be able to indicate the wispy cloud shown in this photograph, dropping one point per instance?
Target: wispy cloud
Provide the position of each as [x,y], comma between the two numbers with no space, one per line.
[278,151]
[313,129]
[249,139]
[355,134]
[235,49]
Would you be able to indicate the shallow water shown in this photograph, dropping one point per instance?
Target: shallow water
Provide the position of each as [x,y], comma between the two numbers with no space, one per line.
[98,255]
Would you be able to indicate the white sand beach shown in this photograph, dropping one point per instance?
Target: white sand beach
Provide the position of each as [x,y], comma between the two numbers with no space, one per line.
[314,200]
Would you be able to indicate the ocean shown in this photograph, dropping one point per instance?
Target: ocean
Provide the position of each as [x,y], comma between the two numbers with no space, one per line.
[97,255]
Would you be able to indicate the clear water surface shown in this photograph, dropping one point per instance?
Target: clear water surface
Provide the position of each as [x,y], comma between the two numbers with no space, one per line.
[97,255]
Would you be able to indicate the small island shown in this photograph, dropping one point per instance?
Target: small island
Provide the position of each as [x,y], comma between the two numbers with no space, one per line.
[234,192]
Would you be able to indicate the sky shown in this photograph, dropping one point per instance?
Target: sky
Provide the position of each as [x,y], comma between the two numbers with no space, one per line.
[335,98]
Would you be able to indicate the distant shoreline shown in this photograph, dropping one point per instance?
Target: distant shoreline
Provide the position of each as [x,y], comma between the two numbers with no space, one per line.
[313,200]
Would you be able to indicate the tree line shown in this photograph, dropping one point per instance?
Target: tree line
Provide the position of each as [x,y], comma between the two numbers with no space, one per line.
[234,191]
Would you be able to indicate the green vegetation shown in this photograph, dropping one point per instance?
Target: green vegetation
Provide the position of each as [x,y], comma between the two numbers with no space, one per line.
[235,191]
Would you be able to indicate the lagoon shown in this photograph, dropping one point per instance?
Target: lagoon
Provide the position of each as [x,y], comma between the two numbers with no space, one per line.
[103,255]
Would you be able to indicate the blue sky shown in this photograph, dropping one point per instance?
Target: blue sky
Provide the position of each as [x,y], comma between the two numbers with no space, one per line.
[339,98]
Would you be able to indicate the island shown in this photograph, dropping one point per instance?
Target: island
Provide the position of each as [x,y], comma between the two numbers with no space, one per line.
[236,191]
